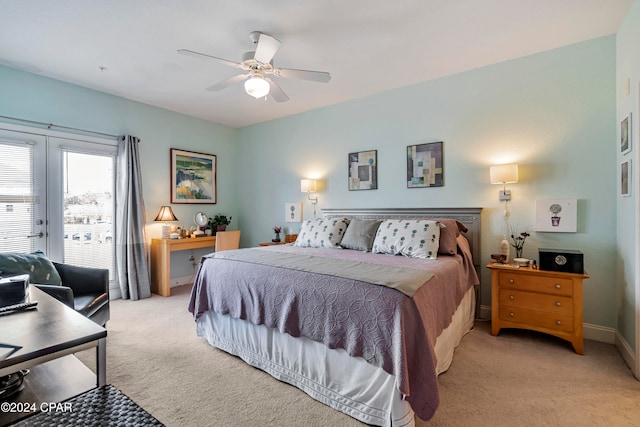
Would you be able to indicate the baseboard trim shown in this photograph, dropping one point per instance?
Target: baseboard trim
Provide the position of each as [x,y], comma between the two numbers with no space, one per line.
[115,292]
[181,281]
[599,333]
[485,313]
[627,353]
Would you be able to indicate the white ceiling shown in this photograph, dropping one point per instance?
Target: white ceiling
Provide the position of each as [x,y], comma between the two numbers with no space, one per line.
[368,46]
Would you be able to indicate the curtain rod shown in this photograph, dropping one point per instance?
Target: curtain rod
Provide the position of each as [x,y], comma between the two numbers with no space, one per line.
[51,125]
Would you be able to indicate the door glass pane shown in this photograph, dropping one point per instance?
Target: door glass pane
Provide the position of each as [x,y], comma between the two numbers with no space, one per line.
[88,210]
[19,200]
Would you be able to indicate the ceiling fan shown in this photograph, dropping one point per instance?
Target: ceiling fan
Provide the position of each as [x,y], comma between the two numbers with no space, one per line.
[258,66]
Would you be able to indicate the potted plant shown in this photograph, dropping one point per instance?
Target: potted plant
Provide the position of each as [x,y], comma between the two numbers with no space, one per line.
[219,223]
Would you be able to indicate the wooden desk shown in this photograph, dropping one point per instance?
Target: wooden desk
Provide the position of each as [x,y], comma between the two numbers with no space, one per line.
[161,259]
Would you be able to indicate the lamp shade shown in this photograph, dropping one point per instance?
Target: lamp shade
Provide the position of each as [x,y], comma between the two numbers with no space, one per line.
[307,185]
[257,86]
[166,214]
[504,174]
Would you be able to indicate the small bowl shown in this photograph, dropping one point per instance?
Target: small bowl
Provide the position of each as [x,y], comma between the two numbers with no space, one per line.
[522,262]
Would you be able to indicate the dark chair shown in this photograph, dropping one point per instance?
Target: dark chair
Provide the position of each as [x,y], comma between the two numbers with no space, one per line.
[84,289]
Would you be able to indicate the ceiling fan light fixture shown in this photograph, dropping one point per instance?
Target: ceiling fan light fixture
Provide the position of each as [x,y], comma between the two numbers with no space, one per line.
[257,86]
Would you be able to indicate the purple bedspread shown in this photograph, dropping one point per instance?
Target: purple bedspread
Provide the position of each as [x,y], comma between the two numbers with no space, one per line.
[379,324]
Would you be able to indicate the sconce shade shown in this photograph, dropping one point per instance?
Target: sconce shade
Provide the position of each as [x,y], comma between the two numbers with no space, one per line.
[166,214]
[257,86]
[307,185]
[504,174]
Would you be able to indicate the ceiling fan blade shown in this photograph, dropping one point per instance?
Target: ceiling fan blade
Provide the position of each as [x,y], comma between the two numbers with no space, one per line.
[228,82]
[267,47]
[290,73]
[203,55]
[276,92]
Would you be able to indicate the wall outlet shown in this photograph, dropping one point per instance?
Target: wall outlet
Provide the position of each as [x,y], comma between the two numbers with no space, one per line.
[191,258]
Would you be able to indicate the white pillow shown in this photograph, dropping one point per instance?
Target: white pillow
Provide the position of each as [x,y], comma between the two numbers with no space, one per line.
[321,233]
[415,238]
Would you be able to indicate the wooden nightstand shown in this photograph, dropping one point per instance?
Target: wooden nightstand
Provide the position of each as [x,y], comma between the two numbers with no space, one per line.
[271,243]
[539,300]
[288,238]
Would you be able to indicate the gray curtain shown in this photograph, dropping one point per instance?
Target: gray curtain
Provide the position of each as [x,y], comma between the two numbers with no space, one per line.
[131,256]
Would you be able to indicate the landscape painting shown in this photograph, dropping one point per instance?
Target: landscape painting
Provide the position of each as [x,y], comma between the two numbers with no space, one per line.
[193,177]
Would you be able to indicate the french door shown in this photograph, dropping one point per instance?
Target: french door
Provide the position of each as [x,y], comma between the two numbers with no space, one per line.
[57,195]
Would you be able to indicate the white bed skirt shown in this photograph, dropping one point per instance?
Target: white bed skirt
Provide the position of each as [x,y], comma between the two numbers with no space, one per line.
[347,384]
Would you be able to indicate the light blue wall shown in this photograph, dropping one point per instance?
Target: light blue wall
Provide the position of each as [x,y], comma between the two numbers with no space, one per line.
[553,113]
[628,73]
[36,98]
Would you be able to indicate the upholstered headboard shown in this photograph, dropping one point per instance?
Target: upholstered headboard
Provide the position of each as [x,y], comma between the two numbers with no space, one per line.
[470,217]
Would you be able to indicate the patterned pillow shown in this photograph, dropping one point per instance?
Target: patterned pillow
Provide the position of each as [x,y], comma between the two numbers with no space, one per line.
[415,238]
[36,265]
[321,233]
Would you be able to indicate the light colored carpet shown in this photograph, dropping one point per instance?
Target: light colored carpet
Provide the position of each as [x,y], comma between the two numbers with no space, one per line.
[517,379]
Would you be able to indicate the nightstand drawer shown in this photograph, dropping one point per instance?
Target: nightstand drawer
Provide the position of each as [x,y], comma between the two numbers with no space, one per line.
[526,282]
[556,321]
[535,301]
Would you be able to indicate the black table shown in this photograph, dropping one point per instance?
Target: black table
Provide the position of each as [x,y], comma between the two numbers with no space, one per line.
[47,336]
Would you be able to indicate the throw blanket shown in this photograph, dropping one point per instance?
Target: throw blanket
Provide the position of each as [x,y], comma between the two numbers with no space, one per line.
[406,280]
[383,326]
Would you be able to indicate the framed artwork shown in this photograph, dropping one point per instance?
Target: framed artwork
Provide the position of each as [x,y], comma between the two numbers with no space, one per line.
[193,177]
[293,212]
[363,170]
[625,178]
[557,215]
[425,165]
[625,135]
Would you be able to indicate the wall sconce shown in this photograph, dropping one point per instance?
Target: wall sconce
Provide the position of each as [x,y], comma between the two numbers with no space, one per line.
[165,215]
[504,174]
[309,186]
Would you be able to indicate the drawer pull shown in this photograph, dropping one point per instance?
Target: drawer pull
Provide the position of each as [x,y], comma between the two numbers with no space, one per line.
[511,281]
[558,304]
[557,285]
[511,297]
[512,314]
[558,322]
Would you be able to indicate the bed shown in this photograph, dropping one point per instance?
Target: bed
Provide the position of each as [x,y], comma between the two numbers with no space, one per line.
[338,316]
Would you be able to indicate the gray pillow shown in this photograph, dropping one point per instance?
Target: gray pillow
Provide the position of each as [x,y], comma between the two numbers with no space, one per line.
[360,234]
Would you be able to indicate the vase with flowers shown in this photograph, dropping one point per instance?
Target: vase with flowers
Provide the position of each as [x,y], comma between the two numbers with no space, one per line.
[518,240]
[277,230]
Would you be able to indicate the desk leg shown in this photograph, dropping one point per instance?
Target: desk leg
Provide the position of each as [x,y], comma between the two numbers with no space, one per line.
[101,361]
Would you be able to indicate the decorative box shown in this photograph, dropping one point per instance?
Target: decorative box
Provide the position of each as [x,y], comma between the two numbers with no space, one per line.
[13,290]
[563,260]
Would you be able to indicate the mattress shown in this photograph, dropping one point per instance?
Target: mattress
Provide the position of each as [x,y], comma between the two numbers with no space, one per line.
[350,385]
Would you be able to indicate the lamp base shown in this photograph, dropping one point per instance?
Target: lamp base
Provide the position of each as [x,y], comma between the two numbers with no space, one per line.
[165,231]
